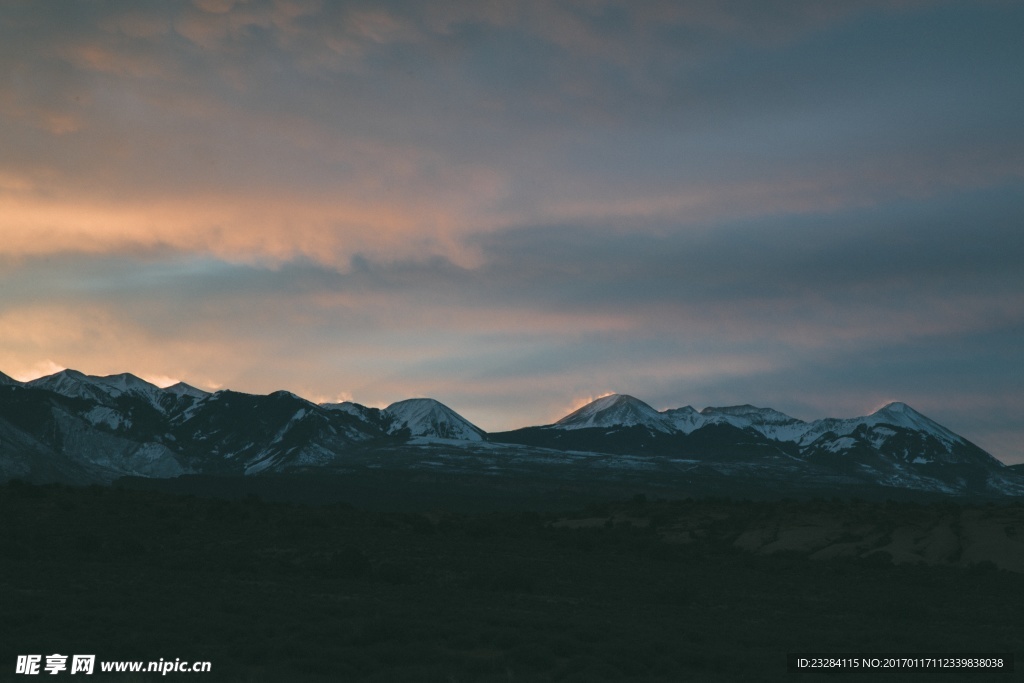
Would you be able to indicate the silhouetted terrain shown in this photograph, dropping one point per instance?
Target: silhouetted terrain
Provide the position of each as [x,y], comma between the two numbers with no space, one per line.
[639,590]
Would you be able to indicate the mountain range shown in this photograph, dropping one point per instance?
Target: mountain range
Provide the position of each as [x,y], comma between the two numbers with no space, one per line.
[76,428]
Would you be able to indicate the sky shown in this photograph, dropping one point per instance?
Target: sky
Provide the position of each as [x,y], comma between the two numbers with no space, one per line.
[517,207]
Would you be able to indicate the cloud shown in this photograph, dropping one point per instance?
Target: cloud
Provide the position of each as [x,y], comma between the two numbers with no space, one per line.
[268,228]
[309,130]
[508,204]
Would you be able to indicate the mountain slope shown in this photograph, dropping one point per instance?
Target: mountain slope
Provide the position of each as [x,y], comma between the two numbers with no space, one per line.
[42,433]
[425,417]
[615,411]
[236,433]
[182,389]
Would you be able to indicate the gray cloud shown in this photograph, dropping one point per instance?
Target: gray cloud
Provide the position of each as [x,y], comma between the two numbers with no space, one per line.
[815,206]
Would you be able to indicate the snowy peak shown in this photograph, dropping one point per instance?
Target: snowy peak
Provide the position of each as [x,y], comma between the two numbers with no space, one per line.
[685,419]
[126,383]
[897,432]
[182,389]
[616,410]
[66,379]
[620,410]
[429,418]
[900,414]
[769,422]
[72,382]
[75,384]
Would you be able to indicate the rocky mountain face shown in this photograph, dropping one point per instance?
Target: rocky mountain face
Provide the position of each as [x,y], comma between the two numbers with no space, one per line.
[73,427]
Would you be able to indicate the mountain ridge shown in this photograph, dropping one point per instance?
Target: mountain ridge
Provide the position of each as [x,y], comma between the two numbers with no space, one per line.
[72,426]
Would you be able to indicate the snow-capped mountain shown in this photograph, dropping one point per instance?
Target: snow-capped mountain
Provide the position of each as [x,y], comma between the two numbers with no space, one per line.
[74,427]
[616,410]
[106,390]
[895,414]
[684,419]
[894,446]
[425,417]
[182,389]
[89,435]
[771,423]
[101,428]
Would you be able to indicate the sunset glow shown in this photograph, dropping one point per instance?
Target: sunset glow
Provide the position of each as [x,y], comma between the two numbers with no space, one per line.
[512,207]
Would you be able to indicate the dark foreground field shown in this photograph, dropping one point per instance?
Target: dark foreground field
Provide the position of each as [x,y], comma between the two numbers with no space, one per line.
[639,590]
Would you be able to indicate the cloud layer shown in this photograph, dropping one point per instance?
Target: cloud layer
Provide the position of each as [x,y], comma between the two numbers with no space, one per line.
[515,206]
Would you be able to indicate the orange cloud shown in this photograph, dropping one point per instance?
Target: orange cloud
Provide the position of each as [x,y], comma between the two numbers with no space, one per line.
[27,373]
[239,229]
